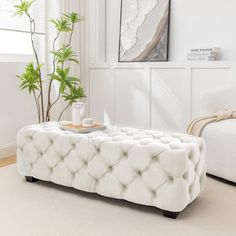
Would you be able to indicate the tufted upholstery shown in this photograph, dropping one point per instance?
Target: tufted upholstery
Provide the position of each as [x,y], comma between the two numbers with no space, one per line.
[146,167]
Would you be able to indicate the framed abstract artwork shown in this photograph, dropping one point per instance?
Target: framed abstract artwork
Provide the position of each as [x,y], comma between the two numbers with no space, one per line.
[144,30]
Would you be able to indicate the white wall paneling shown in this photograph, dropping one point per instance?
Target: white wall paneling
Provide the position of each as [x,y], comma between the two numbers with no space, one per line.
[132,91]
[169,99]
[102,95]
[162,96]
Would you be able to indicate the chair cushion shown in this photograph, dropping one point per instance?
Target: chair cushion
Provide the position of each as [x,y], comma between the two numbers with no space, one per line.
[220,138]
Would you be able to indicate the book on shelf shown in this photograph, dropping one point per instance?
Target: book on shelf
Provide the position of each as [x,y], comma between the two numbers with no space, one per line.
[203,54]
[214,49]
[197,54]
[201,58]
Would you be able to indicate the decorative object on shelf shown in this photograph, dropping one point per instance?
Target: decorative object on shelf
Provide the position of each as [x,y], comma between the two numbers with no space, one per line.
[32,79]
[78,112]
[67,125]
[144,30]
[204,54]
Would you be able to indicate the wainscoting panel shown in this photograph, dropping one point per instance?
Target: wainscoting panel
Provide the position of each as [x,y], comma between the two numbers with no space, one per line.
[132,90]
[169,99]
[163,96]
[102,95]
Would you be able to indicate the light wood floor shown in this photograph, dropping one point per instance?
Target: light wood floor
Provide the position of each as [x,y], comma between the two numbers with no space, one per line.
[7,161]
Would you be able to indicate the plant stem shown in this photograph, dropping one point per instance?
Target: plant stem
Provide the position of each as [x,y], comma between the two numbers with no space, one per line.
[63,111]
[50,82]
[71,34]
[58,97]
[32,31]
[38,107]
[54,69]
[38,98]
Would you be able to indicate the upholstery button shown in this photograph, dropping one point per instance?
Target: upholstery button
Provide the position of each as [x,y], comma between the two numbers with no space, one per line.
[153,192]
[85,163]
[190,156]
[123,187]
[201,148]
[125,154]
[171,178]
[139,173]
[155,158]
[98,150]
[185,175]
[73,145]
[110,168]
[190,189]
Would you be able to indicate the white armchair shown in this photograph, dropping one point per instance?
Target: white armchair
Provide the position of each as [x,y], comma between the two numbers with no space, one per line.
[220,136]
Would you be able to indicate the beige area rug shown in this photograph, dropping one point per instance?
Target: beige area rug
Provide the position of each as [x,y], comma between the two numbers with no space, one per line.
[45,209]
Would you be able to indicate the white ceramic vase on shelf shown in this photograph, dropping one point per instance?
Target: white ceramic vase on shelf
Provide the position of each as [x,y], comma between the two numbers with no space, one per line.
[78,112]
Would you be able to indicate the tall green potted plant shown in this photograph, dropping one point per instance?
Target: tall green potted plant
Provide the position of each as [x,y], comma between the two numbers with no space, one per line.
[70,89]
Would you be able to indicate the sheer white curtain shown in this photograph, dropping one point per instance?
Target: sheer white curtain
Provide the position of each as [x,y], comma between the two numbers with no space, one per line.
[54,10]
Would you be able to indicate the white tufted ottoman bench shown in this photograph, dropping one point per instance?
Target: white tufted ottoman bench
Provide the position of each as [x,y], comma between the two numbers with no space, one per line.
[145,167]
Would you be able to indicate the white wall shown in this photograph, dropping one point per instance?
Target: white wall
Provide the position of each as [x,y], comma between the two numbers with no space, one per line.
[156,95]
[194,23]
[202,23]
[16,107]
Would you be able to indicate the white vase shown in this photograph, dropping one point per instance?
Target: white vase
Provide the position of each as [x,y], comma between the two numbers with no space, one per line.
[78,110]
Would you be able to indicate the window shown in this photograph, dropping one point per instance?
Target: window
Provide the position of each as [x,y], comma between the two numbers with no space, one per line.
[15,30]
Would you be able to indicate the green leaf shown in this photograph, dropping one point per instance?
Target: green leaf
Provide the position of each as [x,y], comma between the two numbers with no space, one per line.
[23,7]
[62,24]
[30,78]
[66,82]
[65,54]
[72,17]
[75,94]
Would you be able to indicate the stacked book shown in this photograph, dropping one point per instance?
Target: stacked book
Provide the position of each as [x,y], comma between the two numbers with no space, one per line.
[203,54]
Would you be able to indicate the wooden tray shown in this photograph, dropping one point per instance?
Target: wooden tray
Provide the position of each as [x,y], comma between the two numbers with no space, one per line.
[80,128]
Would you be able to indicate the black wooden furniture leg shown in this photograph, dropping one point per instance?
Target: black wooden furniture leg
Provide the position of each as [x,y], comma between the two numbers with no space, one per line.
[170,214]
[30,179]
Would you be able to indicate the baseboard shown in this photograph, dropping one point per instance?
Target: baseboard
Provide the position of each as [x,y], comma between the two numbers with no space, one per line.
[7,150]
[222,179]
